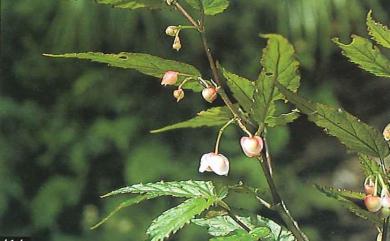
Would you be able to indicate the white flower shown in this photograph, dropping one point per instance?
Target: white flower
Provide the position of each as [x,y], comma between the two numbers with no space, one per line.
[212,162]
[209,94]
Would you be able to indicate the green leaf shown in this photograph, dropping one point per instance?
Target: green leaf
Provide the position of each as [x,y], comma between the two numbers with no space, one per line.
[175,218]
[144,63]
[379,32]
[133,4]
[352,132]
[186,189]
[241,88]
[224,225]
[238,235]
[127,203]
[216,116]
[282,119]
[370,166]
[351,206]
[210,7]
[280,65]
[368,57]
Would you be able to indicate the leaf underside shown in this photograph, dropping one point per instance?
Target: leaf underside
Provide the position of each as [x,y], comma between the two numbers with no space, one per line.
[210,7]
[133,4]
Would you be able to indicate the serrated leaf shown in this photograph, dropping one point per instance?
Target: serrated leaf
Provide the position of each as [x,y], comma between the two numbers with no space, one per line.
[224,225]
[370,167]
[175,218]
[216,116]
[352,207]
[241,88]
[342,192]
[144,63]
[186,189]
[367,56]
[380,33]
[210,7]
[280,65]
[238,235]
[133,4]
[352,132]
[127,203]
[282,119]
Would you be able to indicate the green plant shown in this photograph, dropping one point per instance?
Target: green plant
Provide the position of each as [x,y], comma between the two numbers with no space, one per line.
[253,106]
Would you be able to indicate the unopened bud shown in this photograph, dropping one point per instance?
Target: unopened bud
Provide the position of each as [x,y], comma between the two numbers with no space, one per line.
[178,94]
[172,31]
[176,43]
[386,132]
[373,203]
[212,162]
[209,94]
[169,78]
[252,146]
[385,198]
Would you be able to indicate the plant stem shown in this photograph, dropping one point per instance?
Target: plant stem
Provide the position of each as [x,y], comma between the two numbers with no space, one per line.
[278,203]
[220,134]
[385,225]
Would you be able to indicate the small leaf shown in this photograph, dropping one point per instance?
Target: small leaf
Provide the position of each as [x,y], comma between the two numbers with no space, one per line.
[187,189]
[144,63]
[127,203]
[368,57]
[224,225]
[280,65]
[175,218]
[216,116]
[282,119]
[210,7]
[238,235]
[241,88]
[352,207]
[379,32]
[133,4]
[352,132]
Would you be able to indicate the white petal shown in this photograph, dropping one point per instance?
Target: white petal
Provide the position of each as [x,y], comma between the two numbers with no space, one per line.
[205,163]
[219,164]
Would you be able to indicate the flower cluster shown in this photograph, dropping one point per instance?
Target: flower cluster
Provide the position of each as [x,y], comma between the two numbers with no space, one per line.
[372,201]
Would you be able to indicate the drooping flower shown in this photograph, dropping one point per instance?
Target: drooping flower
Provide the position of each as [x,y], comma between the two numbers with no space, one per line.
[176,43]
[209,94]
[169,78]
[252,146]
[171,31]
[373,203]
[386,132]
[385,198]
[178,94]
[369,186]
[212,162]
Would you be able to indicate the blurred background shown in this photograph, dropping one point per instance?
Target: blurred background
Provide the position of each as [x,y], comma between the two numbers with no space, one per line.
[73,130]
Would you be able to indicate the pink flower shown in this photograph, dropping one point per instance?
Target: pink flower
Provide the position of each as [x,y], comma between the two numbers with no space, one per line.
[209,94]
[252,146]
[385,198]
[169,78]
[212,162]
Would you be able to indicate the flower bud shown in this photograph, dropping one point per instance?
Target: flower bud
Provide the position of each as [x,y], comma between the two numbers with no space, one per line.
[252,146]
[386,132]
[373,203]
[385,212]
[209,94]
[212,162]
[369,186]
[169,78]
[171,31]
[385,198]
[178,94]
[176,43]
